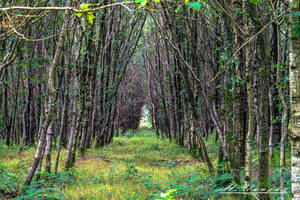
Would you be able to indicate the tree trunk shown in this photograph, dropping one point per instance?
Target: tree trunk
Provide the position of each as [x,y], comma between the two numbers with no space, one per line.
[295,98]
[251,108]
[263,166]
[72,136]
[50,109]
[48,147]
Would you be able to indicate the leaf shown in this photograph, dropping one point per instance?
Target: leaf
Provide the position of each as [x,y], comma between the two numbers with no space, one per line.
[84,6]
[284,119]
[261,69]
[177,9]
[196,6]
[78,14]
[254,1]
[144,2]
[90,17]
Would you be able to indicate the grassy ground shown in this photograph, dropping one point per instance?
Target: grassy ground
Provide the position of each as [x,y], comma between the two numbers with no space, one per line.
[135,166]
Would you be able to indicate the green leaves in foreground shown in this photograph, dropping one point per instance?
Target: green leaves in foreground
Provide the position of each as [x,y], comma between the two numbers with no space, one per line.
[144,2]
[195,6]
[88,15]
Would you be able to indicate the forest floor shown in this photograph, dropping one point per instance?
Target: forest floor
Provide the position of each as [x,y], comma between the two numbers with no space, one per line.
[136,165]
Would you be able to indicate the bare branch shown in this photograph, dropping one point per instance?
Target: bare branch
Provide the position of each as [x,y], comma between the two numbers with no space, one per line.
[124,4]
[245,43]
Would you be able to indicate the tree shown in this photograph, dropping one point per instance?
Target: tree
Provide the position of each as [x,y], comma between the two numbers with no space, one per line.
[295,97]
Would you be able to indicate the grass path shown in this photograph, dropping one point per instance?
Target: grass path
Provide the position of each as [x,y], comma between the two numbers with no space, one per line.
[138,166]
[135,166]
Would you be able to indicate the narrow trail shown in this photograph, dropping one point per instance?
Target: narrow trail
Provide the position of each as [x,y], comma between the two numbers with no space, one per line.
[135,166]
[138,166]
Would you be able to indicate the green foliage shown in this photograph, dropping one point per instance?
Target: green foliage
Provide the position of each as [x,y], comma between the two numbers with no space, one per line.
[142,2]
[275,159]
[275,183]
[190,185]
[145,2]
[88,15]
[196,6]
[131,171]
[178,9]
[254,1]
[222,180]
[9,183]
[48,187]
[135,162]
[295,29]
[168,195]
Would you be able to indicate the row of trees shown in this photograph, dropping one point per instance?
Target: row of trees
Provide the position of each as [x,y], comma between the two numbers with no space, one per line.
[203,67]
[70,89]
[227,69]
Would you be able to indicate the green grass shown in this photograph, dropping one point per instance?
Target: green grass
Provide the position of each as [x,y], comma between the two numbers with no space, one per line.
[137,165]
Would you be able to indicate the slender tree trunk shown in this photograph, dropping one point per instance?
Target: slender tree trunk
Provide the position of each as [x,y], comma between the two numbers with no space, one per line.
[48,147]
[272,117]
[264,119]
[295,98]
[251,108]
[284,116]
[39,169]
[62,125]
[72,136]
[50,110]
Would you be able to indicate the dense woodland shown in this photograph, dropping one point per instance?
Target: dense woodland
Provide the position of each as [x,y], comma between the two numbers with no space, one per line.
[74,75]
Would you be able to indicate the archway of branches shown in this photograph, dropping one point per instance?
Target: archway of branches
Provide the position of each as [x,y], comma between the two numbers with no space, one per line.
[79,74]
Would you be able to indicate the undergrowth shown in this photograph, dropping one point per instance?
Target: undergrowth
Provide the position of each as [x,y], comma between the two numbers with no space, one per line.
[135,166]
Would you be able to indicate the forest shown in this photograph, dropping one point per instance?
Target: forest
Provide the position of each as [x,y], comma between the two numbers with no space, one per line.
[149,99]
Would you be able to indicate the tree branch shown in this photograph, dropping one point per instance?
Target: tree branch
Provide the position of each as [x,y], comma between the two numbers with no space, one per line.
[245,43]
[124,4]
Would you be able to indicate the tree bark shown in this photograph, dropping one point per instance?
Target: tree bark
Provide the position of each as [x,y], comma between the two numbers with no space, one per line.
[50,109]
[295,98]
[251,108]
[48,147]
